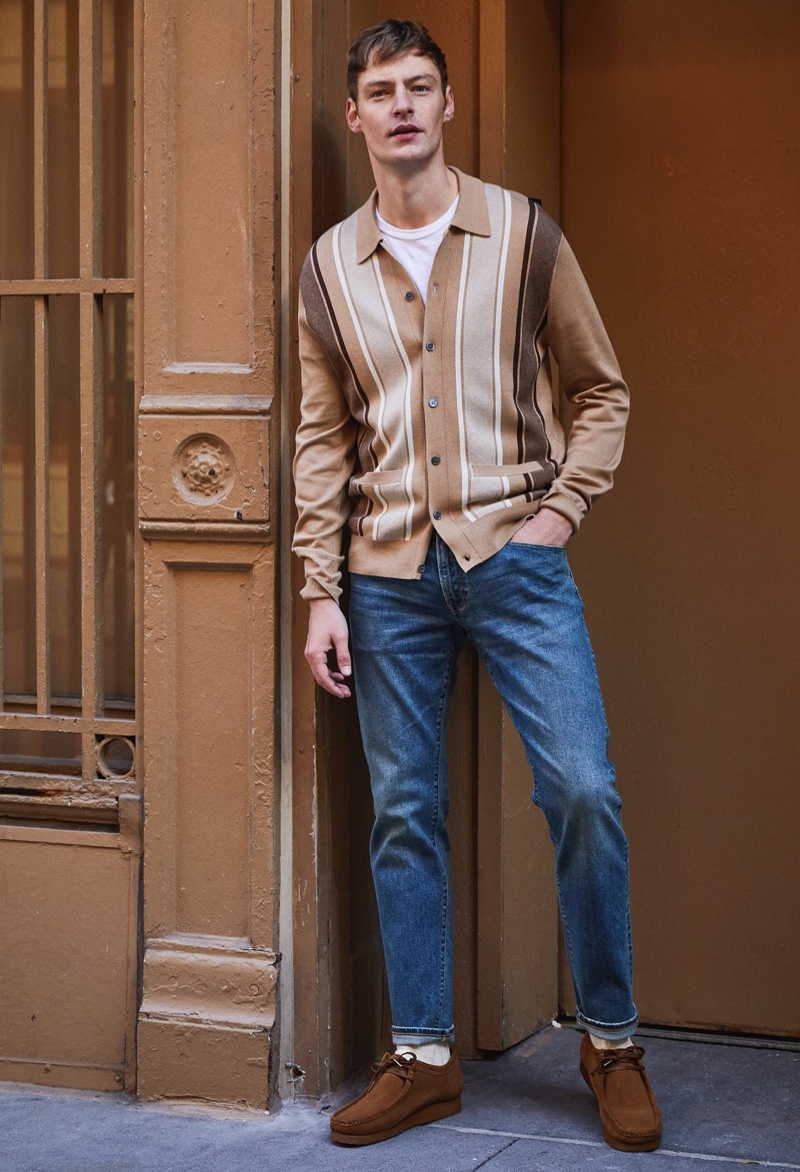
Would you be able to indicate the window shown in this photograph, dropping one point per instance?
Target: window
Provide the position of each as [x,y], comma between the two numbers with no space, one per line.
[67,505]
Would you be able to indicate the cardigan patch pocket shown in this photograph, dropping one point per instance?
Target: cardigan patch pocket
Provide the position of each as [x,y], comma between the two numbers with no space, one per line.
[382,504]
[487,488]
[505,470]
[360,485]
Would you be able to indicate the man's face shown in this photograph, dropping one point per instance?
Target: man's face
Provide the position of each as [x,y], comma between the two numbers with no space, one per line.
[401,111]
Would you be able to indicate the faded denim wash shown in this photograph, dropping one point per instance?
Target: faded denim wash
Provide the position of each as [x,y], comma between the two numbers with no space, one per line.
[522,611]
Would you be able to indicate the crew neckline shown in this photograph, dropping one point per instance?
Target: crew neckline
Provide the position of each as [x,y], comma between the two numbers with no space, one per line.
[417,233]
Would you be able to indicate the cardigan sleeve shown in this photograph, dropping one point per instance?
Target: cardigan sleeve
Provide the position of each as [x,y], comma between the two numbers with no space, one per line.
[593,384]
[324,461]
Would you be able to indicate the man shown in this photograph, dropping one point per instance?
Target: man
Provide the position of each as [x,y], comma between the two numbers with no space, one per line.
[429,428]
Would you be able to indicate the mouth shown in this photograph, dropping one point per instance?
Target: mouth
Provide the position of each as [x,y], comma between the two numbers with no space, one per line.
[406,130]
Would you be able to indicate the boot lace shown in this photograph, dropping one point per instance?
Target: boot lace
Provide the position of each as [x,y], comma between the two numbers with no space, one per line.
[629,1058]
[401,1065]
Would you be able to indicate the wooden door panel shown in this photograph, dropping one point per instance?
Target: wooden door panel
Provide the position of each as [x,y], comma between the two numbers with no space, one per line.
[68,929]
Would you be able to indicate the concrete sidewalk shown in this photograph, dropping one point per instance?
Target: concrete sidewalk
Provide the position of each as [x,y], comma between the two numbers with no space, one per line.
[723,1103]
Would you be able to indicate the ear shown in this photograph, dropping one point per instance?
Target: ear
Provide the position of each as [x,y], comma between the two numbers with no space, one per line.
[351,114]
[449,104]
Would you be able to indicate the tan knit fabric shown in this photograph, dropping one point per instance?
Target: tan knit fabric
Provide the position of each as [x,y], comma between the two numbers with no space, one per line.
[442,416]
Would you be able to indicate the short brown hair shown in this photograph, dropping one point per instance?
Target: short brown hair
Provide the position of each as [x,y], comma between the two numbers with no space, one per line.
[389,39]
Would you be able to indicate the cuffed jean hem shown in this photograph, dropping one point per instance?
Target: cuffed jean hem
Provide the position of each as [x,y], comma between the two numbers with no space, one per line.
[614,1033]
[421,1037]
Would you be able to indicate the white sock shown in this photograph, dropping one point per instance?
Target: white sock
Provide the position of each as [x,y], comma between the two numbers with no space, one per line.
[434,1053]
[604,1044]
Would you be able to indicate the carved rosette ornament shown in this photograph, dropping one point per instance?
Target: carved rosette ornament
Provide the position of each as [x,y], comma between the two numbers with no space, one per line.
[203,468]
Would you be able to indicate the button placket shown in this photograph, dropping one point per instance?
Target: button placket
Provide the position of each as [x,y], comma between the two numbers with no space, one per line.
[434,434]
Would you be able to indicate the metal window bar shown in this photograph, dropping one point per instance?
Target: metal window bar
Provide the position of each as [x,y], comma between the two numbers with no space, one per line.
[91,359]
[42,506]
[16,712]
[41,381]
[40,151]
[2,591]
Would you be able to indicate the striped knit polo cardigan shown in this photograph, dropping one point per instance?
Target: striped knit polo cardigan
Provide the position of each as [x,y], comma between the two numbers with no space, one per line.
[443,415]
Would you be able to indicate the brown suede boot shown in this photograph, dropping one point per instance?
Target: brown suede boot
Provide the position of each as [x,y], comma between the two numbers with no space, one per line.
[403,1093]
[629,1113]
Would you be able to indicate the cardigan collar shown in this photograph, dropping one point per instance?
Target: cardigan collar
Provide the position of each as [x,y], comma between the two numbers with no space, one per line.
[472,215]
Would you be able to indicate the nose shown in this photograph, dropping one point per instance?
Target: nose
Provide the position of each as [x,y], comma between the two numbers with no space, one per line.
[402,101]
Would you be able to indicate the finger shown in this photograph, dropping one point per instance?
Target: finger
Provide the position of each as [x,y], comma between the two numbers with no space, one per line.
[342,649]
[318,662]
[328,681]
[336,682]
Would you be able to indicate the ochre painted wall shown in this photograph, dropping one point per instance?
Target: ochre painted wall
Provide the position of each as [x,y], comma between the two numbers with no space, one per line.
[207,426]
[680,189]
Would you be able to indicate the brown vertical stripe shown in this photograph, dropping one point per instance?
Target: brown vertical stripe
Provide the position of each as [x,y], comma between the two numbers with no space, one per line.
[533,212]
[541,249]
[322,319]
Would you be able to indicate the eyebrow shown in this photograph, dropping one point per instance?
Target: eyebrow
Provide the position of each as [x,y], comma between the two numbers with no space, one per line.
[409,80]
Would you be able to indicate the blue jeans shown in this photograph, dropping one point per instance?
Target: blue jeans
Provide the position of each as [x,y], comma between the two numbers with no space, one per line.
[523,613]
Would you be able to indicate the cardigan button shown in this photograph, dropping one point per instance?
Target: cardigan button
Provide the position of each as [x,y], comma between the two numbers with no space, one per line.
[437,516]
[430,345]
[436,459]
[409,296]
[433,402]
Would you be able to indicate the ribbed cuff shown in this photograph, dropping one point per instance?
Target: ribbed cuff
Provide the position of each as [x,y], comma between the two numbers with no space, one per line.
[314,589]
[560,503]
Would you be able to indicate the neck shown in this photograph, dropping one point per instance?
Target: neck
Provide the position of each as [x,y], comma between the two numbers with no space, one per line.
[412,200]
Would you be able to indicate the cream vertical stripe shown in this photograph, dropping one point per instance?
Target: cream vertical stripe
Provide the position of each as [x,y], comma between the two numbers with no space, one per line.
[498,316]
[459,346]
[365,350]
[407,480]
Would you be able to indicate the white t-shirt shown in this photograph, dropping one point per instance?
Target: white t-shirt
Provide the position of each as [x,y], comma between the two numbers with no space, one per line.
[416,248]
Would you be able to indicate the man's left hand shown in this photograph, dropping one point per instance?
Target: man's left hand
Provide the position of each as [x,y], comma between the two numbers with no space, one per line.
[547,528]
